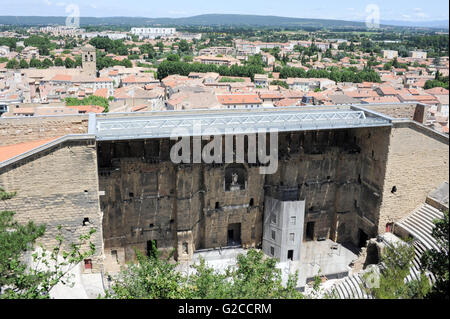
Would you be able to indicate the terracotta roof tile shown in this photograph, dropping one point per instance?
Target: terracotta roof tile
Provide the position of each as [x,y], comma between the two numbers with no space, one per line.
[9,151]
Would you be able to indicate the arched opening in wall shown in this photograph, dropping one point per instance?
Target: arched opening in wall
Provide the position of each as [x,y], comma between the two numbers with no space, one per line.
[235,177]
[373,257]
[252,202]
[85,221]
[394,190]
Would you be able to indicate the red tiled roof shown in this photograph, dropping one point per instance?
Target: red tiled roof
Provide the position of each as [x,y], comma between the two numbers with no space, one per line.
[239,99]
[437,91]
[9,151]
[88,108]
[62,77]
[102,93]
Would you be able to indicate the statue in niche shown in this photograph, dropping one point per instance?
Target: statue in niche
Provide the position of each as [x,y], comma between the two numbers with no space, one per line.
[234,179]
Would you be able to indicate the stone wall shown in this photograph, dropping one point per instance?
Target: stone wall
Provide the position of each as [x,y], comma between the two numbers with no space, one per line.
[418,162]
[190,206]
[24,129]
[58,186]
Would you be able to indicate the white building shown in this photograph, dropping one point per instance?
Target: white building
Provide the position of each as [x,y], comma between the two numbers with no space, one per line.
[283,228]
[152,33]
[417,54]
[389,54]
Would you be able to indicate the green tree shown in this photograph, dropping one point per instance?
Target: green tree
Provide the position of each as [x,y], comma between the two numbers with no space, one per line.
[35,63]
[396,262]
[173,57]
[19,280]
[59,62]
[436,261]
[69,63]
[254,277]
[47,63]
[12,64]
[91,100]
[23,64]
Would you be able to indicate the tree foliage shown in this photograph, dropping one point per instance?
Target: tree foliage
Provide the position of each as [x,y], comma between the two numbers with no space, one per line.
[22,280]
[91,100]
[437,261]
[156,278]
[167,68]
[396,262]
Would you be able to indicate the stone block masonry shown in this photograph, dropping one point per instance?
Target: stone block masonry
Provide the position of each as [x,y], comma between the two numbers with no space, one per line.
[418,162]
[58,186]
[25,129]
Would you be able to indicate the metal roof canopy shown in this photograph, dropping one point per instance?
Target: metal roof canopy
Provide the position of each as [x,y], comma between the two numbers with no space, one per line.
[230,122]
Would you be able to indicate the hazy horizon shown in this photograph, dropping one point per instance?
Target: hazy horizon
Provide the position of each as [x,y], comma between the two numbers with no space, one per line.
[350,10]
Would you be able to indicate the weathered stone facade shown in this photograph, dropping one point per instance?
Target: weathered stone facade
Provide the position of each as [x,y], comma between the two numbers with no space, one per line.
[25,129]
[134,195]
[338,173]
[58,187]
[418,162]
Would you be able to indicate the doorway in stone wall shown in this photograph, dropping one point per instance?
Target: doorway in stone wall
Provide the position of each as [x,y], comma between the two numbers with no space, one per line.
[234,234]
[362,238]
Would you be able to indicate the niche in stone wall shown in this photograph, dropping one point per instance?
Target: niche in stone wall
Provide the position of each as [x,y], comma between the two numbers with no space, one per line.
[235,177]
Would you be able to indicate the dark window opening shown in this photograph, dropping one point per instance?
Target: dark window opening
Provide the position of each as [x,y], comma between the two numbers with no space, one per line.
[394,190]
[310,231]
[251,202]
[131,195]
[217,205]
[359,179]
[290,255]
[172,221]
[272,251]
[151,225]
[185,248]
[85,191]
[85,221]
[373,154]
[355,203]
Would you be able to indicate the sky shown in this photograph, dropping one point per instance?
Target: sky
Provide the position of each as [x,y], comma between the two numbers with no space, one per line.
[352,10]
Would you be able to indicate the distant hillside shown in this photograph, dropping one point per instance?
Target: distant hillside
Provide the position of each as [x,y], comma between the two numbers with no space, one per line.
[208,20]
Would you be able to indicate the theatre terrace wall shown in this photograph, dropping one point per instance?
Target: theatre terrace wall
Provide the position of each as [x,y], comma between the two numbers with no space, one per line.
[58,186]
[418,162]
[14,130]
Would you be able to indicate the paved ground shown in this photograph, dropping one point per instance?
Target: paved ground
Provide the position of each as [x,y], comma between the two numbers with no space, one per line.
[327,256]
